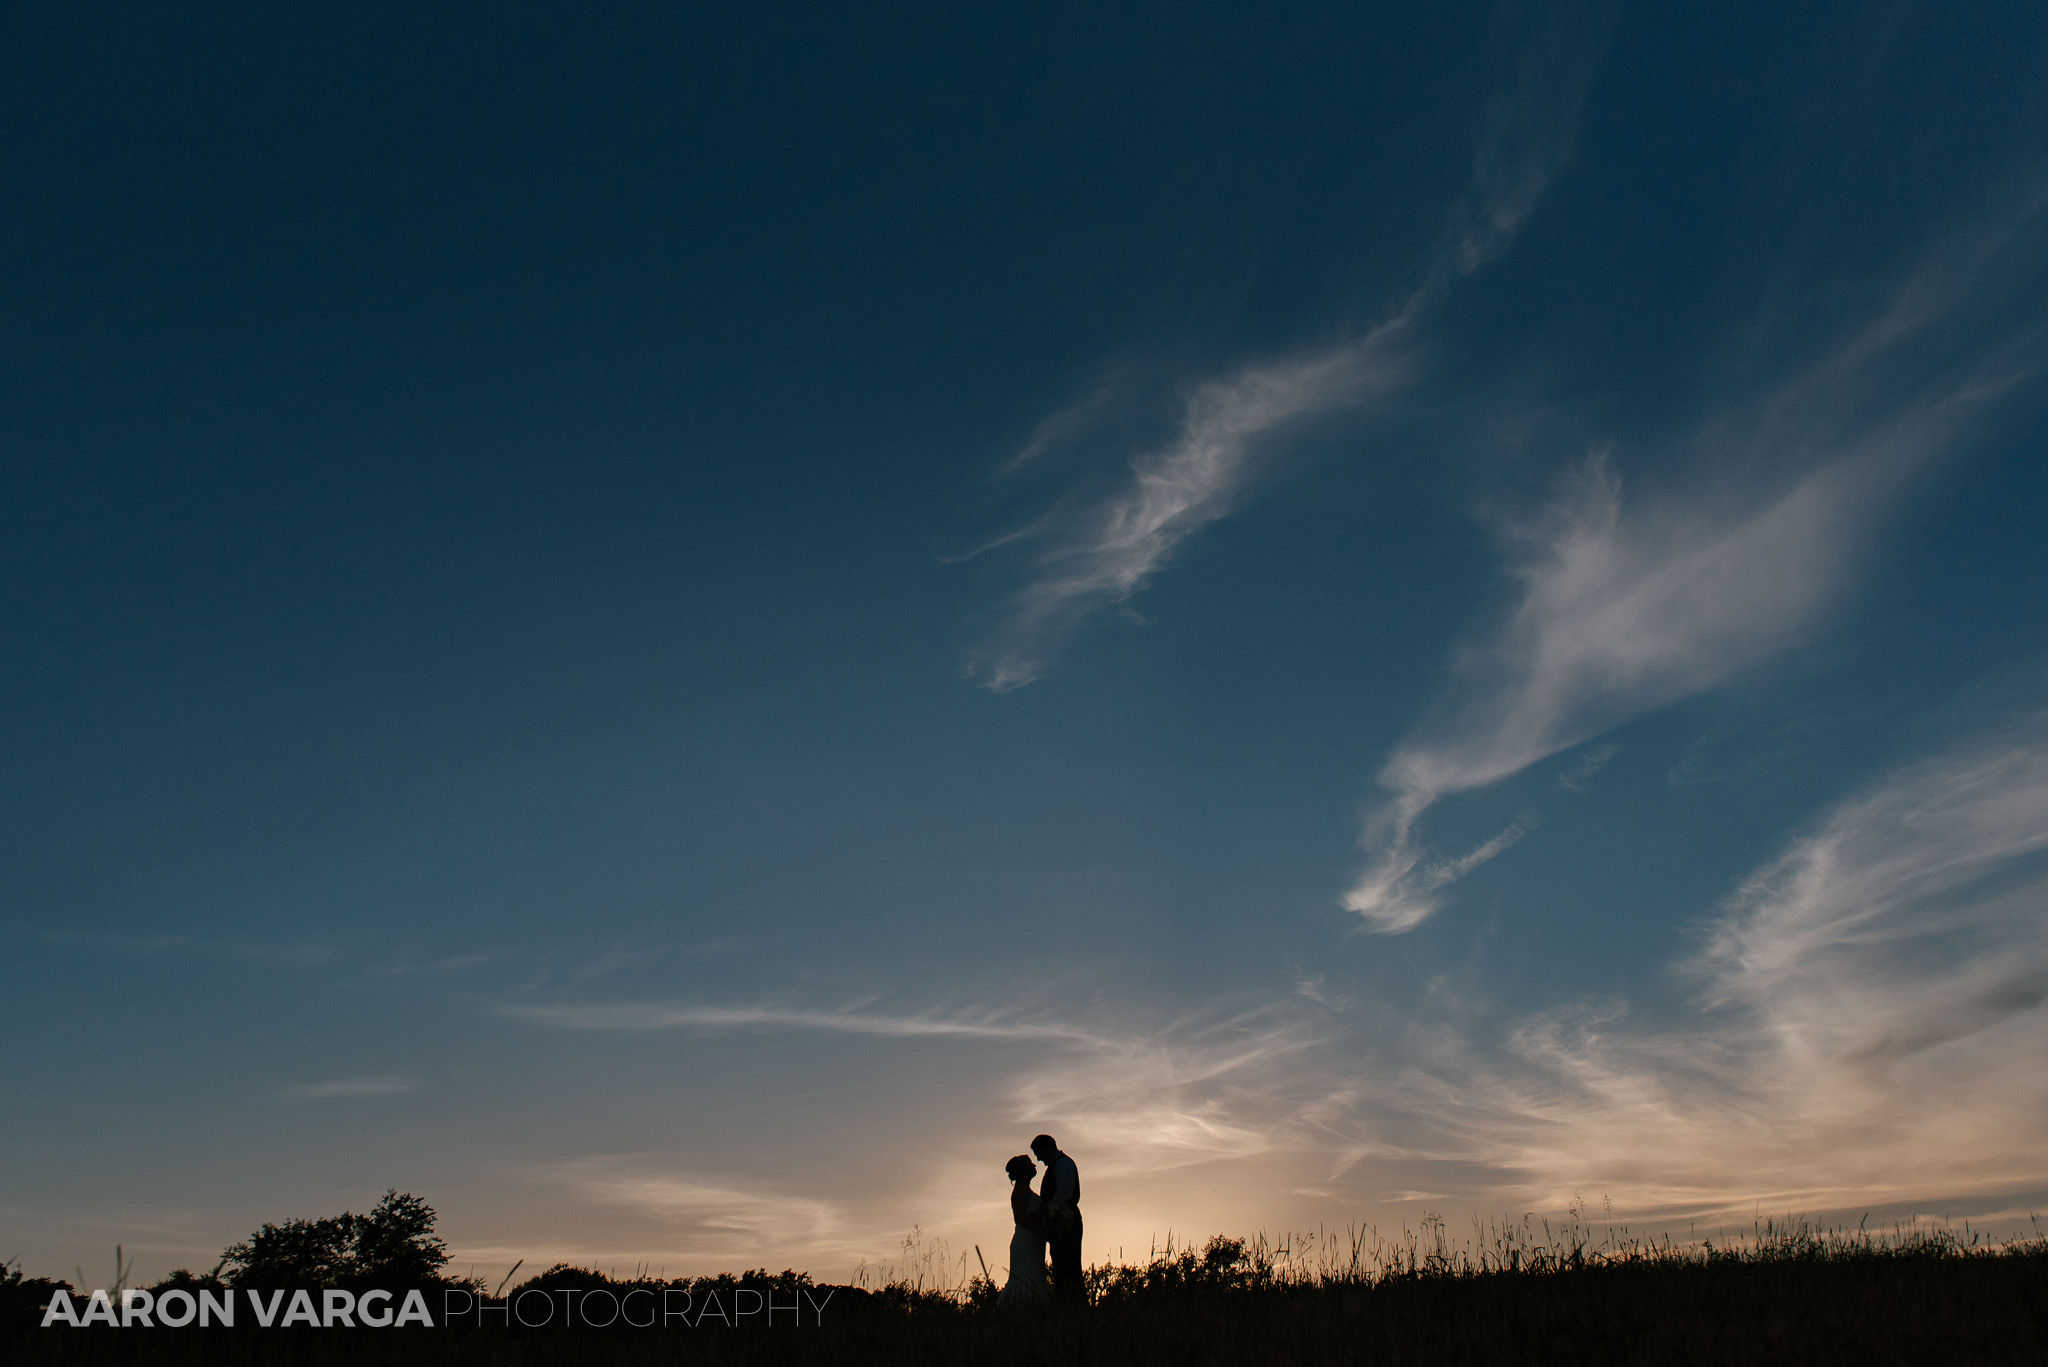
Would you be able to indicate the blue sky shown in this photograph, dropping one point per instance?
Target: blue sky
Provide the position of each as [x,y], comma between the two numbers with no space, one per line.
[674,629]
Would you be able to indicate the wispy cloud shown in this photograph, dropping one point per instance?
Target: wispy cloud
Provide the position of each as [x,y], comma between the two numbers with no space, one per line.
[1111,550]
[1915,917]
[1531,132]
[1116,548]
[1196,1091]
[357,1087]
[667,1213]
[1872,1029]
[1633,601]
[731,1212]
[405,964]
[1623,610]
[1590,763]
[668,1016]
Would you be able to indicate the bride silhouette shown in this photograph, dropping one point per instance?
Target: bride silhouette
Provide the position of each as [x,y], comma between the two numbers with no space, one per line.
[1027,1246]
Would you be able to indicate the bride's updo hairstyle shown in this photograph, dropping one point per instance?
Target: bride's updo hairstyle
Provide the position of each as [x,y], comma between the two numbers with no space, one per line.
[1021,1168]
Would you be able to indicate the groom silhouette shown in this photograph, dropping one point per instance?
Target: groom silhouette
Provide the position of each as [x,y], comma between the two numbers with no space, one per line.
[1061,1192]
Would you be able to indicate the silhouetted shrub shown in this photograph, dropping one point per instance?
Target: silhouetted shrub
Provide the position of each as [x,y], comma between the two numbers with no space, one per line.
[22,1300]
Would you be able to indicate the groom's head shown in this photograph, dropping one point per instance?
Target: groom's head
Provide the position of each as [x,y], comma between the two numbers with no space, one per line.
[1044,1147]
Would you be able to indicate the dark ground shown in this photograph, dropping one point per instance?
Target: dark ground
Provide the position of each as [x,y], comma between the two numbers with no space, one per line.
[1824,1307]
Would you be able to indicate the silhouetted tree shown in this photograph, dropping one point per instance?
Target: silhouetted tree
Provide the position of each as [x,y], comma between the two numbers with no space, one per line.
[395,1242]
[394,1245]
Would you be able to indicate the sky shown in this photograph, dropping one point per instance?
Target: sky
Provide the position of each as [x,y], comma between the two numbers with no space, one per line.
[674,627]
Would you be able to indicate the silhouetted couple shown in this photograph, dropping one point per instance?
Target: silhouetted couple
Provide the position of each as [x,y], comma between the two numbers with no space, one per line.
[1049,1216]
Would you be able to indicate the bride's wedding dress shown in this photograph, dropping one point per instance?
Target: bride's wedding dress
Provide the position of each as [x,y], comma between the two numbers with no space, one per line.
[1027,1248]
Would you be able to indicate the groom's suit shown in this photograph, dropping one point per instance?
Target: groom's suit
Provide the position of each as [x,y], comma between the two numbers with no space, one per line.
[1061,1192]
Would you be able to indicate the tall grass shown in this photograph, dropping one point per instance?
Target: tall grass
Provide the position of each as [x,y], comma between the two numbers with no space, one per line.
[1363,1256]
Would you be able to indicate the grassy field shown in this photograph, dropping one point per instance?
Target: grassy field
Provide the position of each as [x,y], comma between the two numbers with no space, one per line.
[1507,1296]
